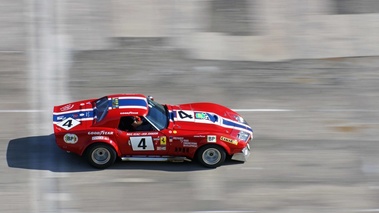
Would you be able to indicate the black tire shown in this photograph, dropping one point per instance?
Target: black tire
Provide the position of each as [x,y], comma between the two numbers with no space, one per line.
[211,156]
[101,156]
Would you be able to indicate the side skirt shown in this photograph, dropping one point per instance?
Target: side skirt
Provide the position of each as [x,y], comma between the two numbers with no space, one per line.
[155,158]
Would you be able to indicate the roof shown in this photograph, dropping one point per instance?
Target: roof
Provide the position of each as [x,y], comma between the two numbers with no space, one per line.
[128,104]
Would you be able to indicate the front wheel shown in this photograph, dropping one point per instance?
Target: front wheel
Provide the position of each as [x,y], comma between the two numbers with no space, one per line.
[211,156]
[101,156]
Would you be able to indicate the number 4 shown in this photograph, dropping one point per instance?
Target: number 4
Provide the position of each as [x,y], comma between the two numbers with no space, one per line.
[68,123]
[142,143]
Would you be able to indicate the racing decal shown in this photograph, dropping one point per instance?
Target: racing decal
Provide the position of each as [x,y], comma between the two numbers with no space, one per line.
[70,138]
[141,133]
[235,142]
[142,143]
[208,118]
[190,144]
[128,113]
[163,141]
[80,115]
[68,123]
[102,132]
[67,107]
[161,148]
[127,102]
[94,138]
[115,103]
[211,138]
[184,115]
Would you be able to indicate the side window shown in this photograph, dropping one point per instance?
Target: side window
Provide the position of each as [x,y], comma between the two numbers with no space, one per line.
[126,123]
[134,124]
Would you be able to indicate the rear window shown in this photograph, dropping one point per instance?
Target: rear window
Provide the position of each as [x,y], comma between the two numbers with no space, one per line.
[101,108]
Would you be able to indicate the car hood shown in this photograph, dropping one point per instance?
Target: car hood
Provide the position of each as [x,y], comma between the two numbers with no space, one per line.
[208,117]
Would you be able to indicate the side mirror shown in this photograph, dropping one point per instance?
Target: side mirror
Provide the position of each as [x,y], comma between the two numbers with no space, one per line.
[150,98]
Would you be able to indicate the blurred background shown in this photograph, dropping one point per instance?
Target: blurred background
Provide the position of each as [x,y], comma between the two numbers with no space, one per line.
[304,74]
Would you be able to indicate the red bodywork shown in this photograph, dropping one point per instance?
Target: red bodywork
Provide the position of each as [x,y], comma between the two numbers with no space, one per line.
[189,126]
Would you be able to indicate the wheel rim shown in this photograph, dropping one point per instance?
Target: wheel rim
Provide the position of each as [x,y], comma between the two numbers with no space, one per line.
[211,156]
[101,156]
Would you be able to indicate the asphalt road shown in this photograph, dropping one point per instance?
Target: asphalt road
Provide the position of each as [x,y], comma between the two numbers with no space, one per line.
[315,123]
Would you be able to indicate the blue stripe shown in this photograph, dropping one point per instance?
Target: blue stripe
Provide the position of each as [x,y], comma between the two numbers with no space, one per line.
[234,124]
[132,102]
[75,115]
[172,115]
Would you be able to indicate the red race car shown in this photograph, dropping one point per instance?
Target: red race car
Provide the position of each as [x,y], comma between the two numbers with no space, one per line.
[134,127]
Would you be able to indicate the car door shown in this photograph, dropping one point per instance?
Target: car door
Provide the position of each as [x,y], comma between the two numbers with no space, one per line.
[144,141]
[147,143]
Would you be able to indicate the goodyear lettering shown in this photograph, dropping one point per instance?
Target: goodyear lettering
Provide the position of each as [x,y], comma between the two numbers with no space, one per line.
[100,133]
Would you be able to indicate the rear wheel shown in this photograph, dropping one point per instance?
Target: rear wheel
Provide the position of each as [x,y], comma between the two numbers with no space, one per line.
[211,156]
[101,156]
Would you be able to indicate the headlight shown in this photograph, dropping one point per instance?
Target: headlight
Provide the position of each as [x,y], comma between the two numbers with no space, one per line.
[244,136]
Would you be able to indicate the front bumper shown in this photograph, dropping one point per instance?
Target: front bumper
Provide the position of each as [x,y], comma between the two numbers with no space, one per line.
[243,155]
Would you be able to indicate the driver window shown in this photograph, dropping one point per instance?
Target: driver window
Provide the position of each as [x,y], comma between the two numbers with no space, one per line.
[134,123]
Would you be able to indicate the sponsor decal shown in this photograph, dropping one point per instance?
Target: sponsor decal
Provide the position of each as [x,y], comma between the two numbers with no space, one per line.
[160,148]
[209,117]
[115,104]
[184,115]
[211,138]
[141,133]
[201,115]
[235,142]
[94,138]
[70,138]
[68,123]
[102,132]
[67,107]
[163,141]
[199,136]
[189,144]
[60,118]
[177,138]
[128,113]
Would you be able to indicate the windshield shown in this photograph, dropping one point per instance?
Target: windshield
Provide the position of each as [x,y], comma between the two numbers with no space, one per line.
[157,114]
[101,108]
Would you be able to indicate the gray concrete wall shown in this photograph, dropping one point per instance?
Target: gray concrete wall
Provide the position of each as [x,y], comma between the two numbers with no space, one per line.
[251,30]
[255,30]
[12,26]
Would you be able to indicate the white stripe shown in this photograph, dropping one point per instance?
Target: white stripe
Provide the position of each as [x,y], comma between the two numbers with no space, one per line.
[132,97]
[134,106]
[81,119]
